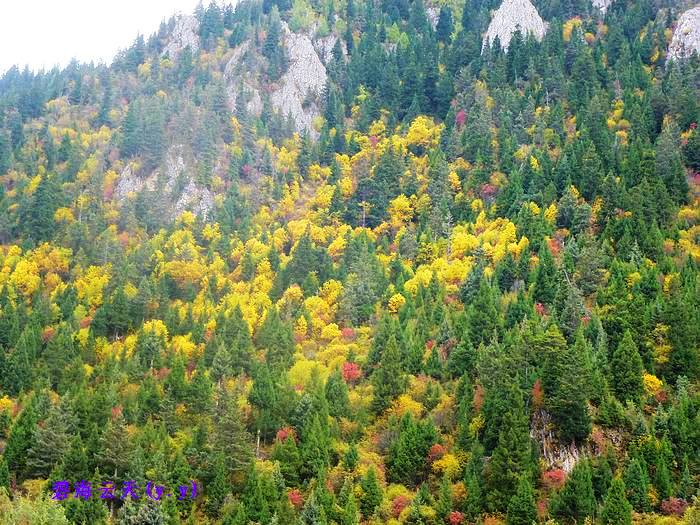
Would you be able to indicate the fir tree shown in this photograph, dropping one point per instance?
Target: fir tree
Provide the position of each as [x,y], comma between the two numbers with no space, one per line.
[626,370]
[616,509]
[522,509]
[576,501]
[387,378]
[371,494]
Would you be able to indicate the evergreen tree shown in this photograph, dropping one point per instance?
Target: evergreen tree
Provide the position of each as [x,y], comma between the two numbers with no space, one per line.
[218,489]
[230,435]
[616,509]
[637,482]
[576,501]
[626,370]
[49,444]
[522,509]
[371,494]
[388,378]
[336,392]
[566,380]
[511,458]
[545,277]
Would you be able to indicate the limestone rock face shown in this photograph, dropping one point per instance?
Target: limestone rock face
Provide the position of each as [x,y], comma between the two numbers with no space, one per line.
[433,16]
[602,5]
[185,33]
[686,37]
[239,79]
[324,47]
[514,14]
[193,197]
[301,86]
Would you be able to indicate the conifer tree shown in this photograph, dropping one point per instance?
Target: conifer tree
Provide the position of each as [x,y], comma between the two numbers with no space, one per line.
[522,509]
[230,436]
[49,444]
[219,487]
[626,370]
[616,509]
[336,392]
[371,494]
[576,500]
[388,378]
[277,338]
[511,458]
[636,481]
[545,277]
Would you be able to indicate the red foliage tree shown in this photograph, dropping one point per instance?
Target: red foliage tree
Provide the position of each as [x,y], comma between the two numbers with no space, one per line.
[351,372]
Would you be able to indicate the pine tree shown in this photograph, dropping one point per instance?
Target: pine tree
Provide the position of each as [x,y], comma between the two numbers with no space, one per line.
[474,503]
[626,370]
[287,454]
[576,500]
[545,277]
[566,380]
[336,392]
[219,488]
[511,458]
[636,480]
[20,439]
[115,448]
[388,379]
[5,152]
[407,455]
[482,317]
[371,494]
[230,436]
[445,25]
[616,509]
[351,514]
[277,338]
[522,509]
[49,444]
[315,448]
[313,513]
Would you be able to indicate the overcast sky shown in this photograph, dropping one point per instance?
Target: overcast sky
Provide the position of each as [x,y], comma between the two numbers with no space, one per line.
[43,33]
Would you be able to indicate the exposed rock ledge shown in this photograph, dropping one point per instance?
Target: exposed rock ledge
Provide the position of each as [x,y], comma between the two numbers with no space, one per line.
[602,5]
[302,84]
[686,37]
[185,33]
[193,197]
[511,16]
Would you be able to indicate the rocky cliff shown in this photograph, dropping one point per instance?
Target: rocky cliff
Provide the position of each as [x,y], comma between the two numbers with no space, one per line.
[301,86]
[511,16]
[602,5]
[686,36]
[185,33]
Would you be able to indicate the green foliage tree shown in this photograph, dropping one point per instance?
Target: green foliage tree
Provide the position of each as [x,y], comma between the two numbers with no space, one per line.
[626,370]
[616,509]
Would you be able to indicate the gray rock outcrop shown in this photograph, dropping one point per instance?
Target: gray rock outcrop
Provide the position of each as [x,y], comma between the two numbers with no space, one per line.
[239,81]
[165,182]
[686,36]
[185,33]
[511,16]
[301,86]
[602,5]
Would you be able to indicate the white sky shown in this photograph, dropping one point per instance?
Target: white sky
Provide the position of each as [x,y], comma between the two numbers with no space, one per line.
[43,33]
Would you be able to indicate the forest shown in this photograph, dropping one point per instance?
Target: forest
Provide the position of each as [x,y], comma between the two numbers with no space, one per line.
[458,284]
